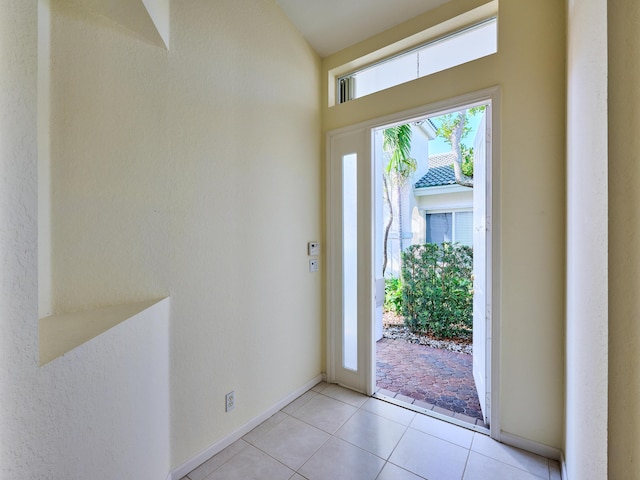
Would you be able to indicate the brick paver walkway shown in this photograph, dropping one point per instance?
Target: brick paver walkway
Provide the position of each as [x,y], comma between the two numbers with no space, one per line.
[429,377]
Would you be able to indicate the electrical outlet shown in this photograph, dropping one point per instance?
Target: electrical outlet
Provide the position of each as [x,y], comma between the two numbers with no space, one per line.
[313,248]
[313,265]
[230,401]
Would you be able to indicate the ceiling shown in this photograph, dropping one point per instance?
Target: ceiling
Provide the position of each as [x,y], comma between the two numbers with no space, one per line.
[331,25]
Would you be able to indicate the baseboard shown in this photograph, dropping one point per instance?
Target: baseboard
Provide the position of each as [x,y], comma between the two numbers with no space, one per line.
[563,468]
[531,446]
[220,445]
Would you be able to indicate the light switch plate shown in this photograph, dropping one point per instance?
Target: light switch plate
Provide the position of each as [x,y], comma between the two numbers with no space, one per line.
[313,248]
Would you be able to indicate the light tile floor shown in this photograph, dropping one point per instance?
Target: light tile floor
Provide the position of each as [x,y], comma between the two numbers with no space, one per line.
[333,433]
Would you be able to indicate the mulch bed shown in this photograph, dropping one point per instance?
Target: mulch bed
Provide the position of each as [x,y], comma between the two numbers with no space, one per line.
[393,328]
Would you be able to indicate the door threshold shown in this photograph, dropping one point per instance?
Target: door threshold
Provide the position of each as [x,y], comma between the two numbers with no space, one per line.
[430,413]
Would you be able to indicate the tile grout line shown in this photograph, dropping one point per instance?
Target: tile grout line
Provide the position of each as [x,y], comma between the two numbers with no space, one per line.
[379,414]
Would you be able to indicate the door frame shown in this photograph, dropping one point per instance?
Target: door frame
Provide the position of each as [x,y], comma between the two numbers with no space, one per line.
[366,345]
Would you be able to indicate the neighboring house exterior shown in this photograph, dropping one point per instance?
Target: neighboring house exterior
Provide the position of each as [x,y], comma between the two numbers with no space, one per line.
[435,209]
[444,209]
[422,134]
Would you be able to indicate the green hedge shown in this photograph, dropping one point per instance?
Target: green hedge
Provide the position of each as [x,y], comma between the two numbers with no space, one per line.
[393,294]
[437,289]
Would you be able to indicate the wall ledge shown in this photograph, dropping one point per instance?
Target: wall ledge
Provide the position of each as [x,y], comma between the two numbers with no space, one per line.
[148,18]
[61,333]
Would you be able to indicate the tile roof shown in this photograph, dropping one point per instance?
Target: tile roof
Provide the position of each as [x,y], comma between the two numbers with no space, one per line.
[441,159]
[437,177]
[440,171]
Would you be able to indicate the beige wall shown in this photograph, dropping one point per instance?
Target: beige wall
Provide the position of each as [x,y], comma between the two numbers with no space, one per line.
[143,165]
[624,232]
[530,70]
[194,173]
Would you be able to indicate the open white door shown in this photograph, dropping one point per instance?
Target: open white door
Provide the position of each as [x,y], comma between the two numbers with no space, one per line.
[354,278]
[481,329]
[350,285]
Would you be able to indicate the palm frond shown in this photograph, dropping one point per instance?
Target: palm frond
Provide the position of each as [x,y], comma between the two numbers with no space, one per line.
[397,143]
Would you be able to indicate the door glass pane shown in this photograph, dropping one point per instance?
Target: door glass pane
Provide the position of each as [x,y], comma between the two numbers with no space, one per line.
[349,262]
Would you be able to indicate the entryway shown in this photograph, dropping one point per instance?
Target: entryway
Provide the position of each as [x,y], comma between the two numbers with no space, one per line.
[355,285]
[433,244]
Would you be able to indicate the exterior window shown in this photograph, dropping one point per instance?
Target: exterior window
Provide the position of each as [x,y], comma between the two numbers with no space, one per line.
[455,49]
[453,227]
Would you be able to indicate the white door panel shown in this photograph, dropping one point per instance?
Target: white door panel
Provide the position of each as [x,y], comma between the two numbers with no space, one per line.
[350,279]
[480,232]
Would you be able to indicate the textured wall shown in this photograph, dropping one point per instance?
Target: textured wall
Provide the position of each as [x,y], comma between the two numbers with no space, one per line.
[172,172]
[102,411]
[624,233]
[530,69]
[18,224]
[194,173]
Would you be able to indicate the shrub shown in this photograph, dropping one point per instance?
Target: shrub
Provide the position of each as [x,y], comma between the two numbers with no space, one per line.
[437,294]
[393,294]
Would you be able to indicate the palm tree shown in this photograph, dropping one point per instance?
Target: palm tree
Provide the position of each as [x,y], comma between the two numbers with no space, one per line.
[397,147]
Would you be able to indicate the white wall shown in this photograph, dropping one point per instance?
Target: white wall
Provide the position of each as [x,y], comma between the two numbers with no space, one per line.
[529,68]
[173,172]
[586,330]
[105,405]
[194,173]
[444,201]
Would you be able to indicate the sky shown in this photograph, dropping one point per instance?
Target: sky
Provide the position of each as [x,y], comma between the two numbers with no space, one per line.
[440,146]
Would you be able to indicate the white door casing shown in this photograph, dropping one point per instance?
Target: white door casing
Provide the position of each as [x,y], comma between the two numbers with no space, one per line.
[357,140]
[350,329]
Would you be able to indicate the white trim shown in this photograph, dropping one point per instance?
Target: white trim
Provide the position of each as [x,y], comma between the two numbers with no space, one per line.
[563,467]
[431,34]
[331,266]
[446,209]
[531,446]
[182,470]
[424,191]
[426,128]
[493,261]
[346,141]
[480,97]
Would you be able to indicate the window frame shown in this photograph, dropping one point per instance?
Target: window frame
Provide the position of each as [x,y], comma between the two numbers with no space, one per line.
[453,212]
[346,83]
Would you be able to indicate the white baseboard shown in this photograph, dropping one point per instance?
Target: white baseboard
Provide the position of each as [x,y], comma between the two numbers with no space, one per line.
[531,446]
[563,468]
[223,443]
